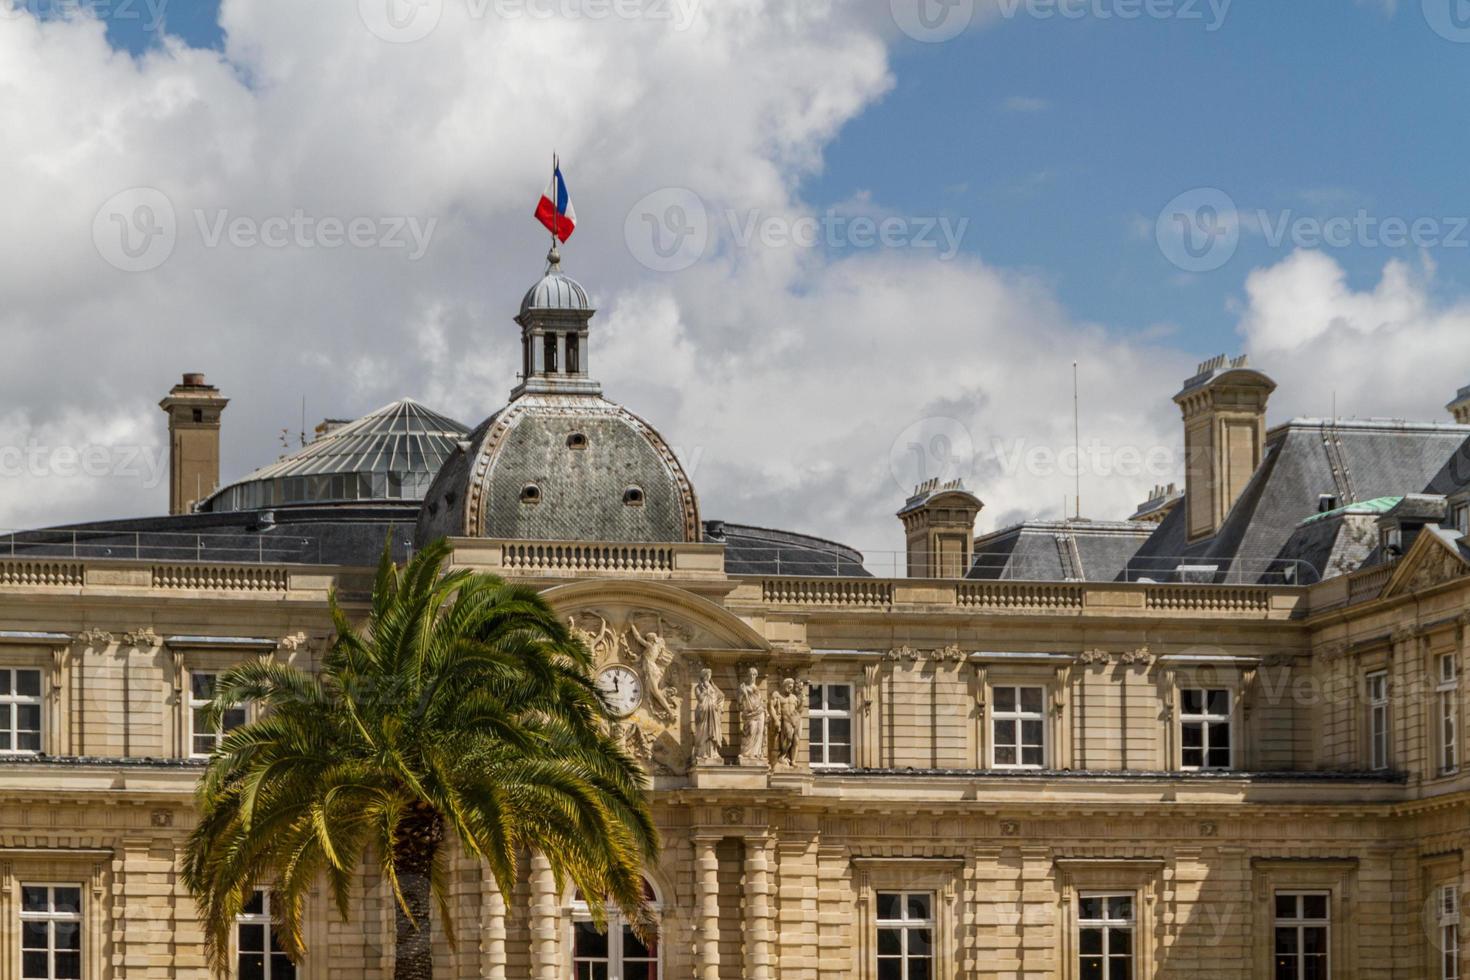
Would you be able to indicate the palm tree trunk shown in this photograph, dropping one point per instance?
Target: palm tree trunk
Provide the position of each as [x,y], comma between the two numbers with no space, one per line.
[419,837]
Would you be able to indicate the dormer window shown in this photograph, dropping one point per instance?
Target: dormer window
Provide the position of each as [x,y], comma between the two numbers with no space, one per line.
[633,497]
[576,441]
[549,360]
[530,494]
[1326,502]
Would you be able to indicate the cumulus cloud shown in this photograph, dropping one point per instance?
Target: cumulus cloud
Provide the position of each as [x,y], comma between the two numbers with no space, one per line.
[806,384]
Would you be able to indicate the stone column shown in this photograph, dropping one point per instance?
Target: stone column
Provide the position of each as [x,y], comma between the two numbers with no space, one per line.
[707,928]
[493,945]
[545,919]
[758,908]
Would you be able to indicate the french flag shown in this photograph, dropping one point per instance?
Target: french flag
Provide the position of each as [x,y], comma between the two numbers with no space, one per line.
[555,210]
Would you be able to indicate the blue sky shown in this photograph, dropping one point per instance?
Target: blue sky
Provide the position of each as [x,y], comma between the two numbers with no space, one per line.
[1061,139]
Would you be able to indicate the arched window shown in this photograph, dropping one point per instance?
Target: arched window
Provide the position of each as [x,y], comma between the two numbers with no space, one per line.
[574,354]
[617,954]
[550,351]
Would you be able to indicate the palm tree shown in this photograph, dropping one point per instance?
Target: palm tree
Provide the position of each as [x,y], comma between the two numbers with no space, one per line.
[463,709]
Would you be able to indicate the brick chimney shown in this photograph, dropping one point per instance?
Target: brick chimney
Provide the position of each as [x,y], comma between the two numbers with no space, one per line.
[1224,408]
[939,520]
[194,409]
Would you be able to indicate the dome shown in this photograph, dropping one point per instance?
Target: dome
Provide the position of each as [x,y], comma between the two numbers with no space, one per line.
[556,291]
[391,454]
[562,468]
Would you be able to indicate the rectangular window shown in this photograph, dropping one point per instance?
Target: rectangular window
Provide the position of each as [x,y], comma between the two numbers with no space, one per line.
[1105,937]
[50,932]
[829,722]
[1018,722]
[1302,934]
[1377,684]
[258,949]
[905,936]
[20,711]
[1447,919]
[1447,701]
[204,738]
[1204,728]
[1461,518]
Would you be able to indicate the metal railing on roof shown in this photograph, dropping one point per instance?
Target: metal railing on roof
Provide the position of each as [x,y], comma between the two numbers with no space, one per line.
[261,548]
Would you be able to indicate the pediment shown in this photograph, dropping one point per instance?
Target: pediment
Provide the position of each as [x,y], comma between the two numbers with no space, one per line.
[691,621]
[1432,560]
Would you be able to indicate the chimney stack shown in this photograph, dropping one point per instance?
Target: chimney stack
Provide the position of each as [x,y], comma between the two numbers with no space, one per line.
[194,409]
[939,520]
[1460,407]
[1224,408]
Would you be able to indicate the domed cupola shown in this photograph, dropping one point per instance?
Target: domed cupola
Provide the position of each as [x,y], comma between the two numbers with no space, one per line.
[560,462]
[554,318]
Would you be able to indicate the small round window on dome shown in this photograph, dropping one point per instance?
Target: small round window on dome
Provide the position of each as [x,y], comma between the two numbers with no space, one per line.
[577,440]
[530,494]
[633,496]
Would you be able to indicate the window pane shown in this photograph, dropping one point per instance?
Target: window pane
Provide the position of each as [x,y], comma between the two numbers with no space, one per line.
[588,941]
[1219,702]
[33,935]
[1219,736]
[68,966]
[890,943]
[1032,756]
[28,741]
[28,682]
[68,935]
[252,966]
[1090,908]
[252,937]
[201,686]
[1090,941]
[839,698]
[1285,941]
[839,755]
[839,729]
[920,969]
[1005,755]
[890,970]
[1314,942]
[33,965]
[1315,906]
[1192,735]
[1315,968]
[1031,699]
[34,898]
[1005,699]
[814,736]
[1193,701]
[814,697]
[1031,732]
[1220,758]
[921,942]
[1121,968]
[1120,941]
[1092,968]
[68,899]
[890,905]
[1286,906]
[234,718]
[633,946]
[282,968]
[918,906]
[255,905]
[1121,907]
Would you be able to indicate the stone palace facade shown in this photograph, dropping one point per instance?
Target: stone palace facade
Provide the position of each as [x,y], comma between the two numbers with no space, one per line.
[1220,740]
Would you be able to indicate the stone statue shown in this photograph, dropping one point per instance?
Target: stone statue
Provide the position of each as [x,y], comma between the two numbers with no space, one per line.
[601,644]
[786,716]
[752,720]
[709,706]
[650,660]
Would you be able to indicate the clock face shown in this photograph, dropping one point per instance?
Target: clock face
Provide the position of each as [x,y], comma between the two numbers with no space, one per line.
[622,688]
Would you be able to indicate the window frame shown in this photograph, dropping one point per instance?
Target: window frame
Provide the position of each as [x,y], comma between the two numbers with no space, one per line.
[52,918]
[1016,718]
[1447,930]
[1380,725]
[826,715]
[578,911]
[904,925]
[193,704]
[17,701]
[1207,719]
[1300,924]
[1447,713]
[262,918]
[1107,925]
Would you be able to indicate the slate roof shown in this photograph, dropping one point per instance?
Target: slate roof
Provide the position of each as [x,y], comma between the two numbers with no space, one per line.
[1353,460]
[1083,551]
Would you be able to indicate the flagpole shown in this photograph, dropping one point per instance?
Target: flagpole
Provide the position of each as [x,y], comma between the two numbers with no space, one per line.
[555,256]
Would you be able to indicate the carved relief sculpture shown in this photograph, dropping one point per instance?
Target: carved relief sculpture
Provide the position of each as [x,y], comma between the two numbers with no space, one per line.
[786,714]
[651,661]
[752,720]
[709,705]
